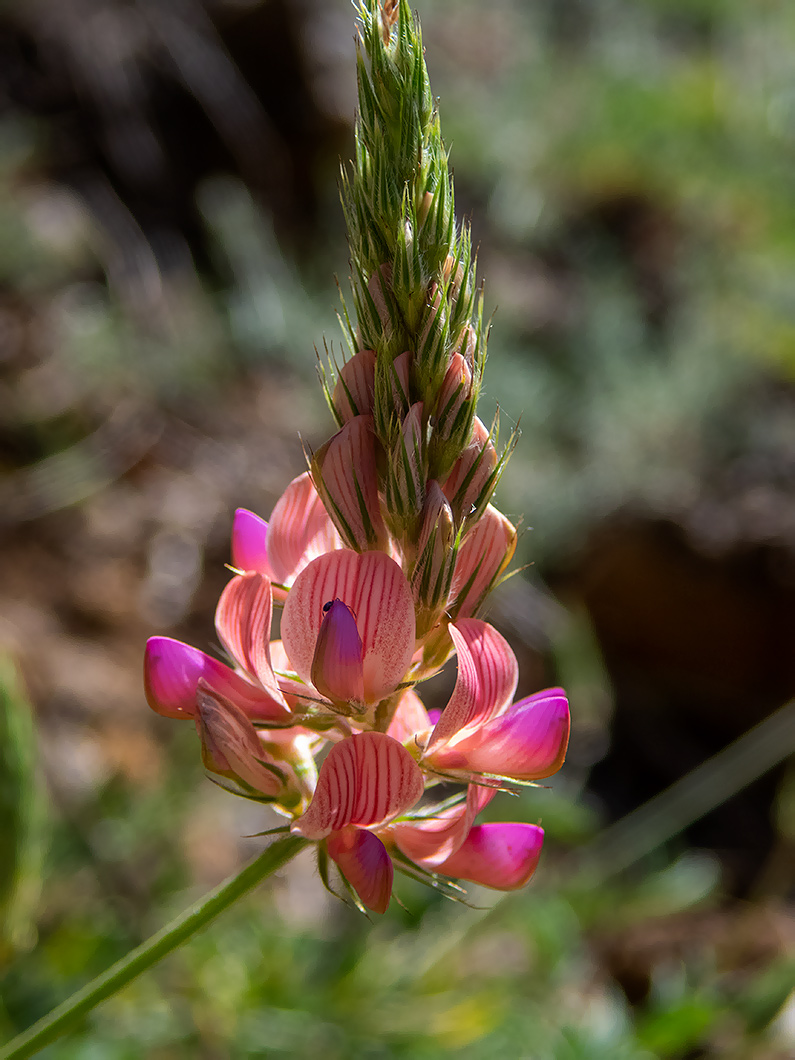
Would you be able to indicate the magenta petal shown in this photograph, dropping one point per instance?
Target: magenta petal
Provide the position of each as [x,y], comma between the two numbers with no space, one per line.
[337,665]
[172,671]
[527,742]
[502,856]
[365,864]
[487,677]
[366,780]
[250,543]
[431,841]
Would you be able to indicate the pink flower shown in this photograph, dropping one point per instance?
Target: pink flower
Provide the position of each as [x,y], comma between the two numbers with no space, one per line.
[480,732]
[173,671]
[299,531]
[358,650]
[367,784]
[364,783]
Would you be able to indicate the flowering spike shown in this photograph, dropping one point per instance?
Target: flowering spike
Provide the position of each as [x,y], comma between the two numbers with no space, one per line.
[337,663]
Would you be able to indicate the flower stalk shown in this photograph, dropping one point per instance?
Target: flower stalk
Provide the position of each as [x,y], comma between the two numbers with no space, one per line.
[165,941]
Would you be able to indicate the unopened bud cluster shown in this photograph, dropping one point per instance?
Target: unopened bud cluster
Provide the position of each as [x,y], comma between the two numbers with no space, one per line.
[382,554]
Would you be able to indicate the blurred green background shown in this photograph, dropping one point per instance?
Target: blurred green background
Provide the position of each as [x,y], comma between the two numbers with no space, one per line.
[169,233]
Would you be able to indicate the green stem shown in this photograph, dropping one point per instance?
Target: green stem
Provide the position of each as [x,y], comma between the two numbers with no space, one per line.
[154,949]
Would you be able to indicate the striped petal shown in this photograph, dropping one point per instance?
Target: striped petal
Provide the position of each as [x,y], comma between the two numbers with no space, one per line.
[472,472]
[173,670]
[243,623]
[432,840]
[250,543]
[527,742]
[230,744]
[337,664]
[300,530]
[484,554]
[355,386]
[375,589]
[366,780]
[365,864]
[487,677]
[344,472]
[502,856]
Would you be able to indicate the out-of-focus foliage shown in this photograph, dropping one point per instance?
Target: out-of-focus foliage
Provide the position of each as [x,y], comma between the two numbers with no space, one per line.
[626,165]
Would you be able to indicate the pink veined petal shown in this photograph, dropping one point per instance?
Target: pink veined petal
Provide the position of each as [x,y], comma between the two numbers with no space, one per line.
[502,856]
[344,471]
[173,670]
[410,717]
[431,841]
[365,864]
[337,664]
[484,554]
[250,543]
[487,677]
[527,742]
[366,780]
[471,471]
[300,530]
[229,739]
[243,623]
[374,587]
[353,392]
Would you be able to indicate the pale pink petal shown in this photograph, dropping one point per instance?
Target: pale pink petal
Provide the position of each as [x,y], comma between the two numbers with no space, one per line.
[456,388]
[471,472]
[366,780]
[230,741]
[250,543]
[409,718]
[527,742]
[353,392]
[173,670]
[243,623]
[365,864]
[337,665]
[431,841]
[375,589]
[487,677]
[483,556]
[344,472]
[300,530]
[502,856]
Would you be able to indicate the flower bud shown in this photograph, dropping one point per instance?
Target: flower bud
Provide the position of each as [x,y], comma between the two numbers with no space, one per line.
[231,746]
[355,386]
[471,481]
[436,557]
[482,557]
[379,287]
[405,480]
[344,473]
